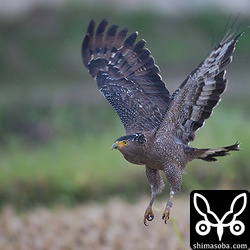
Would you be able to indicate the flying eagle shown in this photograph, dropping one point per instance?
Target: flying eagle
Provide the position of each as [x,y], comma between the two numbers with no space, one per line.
[159,125]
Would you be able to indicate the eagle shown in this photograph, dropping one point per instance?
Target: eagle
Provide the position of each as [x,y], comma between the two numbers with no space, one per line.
[159,125]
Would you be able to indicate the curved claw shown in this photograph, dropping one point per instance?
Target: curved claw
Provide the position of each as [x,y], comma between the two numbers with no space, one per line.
[148,216]
[165,215]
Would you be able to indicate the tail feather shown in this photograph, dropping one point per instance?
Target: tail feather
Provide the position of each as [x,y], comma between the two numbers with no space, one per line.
[211,154]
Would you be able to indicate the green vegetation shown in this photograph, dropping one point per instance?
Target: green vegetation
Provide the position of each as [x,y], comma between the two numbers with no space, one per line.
[70,168]
[56,130]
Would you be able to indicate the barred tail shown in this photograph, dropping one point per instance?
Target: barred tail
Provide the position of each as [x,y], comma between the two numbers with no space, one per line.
[211,154]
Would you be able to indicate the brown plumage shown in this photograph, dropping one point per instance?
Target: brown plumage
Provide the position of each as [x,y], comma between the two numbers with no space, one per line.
[159,126]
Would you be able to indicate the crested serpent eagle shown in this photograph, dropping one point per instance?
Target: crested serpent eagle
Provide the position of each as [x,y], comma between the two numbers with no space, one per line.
[159,125]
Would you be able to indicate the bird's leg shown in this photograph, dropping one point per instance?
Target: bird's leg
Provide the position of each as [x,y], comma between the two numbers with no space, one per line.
[157,185]
[174,175]
[149,215]
[169,204]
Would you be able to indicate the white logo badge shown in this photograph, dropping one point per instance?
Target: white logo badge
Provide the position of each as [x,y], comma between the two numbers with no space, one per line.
[236,227]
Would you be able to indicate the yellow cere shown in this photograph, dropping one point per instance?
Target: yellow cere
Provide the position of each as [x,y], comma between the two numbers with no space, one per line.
[121,144]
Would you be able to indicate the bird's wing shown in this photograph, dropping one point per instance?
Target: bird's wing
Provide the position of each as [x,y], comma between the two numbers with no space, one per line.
[196,97]
[126,75]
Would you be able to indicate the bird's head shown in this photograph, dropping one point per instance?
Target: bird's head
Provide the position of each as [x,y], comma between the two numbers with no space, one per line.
[129,142]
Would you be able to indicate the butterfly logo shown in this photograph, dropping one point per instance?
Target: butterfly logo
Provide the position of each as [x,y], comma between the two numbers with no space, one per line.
[236,227]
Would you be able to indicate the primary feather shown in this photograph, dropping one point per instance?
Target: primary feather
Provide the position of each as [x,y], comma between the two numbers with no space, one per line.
[192,103]
[126,75]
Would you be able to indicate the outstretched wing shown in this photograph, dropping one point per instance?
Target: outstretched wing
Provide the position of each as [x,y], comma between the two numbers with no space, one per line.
[126,75]
[196,97]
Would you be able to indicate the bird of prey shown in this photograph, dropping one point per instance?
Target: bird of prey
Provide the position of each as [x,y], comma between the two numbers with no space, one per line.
[159,125]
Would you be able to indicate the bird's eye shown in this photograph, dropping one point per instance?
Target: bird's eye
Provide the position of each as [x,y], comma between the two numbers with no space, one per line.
[125,143]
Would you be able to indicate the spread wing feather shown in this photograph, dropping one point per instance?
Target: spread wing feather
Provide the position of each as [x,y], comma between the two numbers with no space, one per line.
[126,75]
[192,103]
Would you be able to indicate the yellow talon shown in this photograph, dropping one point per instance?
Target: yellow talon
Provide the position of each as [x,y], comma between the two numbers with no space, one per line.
[148,216]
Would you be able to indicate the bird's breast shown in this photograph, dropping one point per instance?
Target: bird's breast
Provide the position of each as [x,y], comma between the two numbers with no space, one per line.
[134,158]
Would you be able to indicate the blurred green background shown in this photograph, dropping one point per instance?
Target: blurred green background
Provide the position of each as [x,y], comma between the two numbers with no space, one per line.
[56,129]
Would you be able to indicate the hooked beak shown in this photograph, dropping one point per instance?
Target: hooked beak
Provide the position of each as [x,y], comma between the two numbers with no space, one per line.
[114,146]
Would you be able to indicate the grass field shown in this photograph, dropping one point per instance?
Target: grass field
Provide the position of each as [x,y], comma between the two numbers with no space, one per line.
[114,224]
[73,169]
